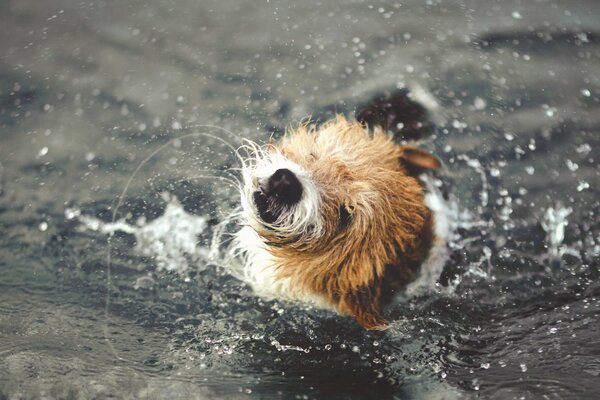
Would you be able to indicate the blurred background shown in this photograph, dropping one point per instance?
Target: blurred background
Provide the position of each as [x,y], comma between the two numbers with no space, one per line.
[89,90]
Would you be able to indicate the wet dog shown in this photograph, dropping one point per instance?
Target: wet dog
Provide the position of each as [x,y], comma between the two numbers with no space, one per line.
[336,216]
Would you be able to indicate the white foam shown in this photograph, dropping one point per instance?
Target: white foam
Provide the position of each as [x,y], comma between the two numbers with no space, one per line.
[554,223]
[171,239]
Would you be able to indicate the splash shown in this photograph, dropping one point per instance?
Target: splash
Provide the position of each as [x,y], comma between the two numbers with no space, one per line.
[285,347]
[554,223]
[485,186]
[171,239]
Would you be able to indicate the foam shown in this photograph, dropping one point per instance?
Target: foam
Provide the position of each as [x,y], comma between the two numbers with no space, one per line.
[171,239]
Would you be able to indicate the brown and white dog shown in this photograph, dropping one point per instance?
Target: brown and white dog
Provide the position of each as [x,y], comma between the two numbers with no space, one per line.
[336,216]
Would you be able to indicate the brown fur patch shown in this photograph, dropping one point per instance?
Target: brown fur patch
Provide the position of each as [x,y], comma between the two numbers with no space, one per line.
[357,266]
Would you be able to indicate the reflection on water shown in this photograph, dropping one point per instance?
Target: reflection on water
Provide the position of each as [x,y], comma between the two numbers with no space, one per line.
[88,91]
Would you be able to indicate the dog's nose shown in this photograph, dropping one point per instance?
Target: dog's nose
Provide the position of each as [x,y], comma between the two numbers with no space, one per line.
[284,186]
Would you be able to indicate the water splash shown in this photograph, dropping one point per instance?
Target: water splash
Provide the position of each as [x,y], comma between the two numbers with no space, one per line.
[171,239]
[285,347]
[479,169]
[554,223]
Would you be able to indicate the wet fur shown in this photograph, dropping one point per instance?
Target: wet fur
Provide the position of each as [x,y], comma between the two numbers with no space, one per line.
[353,259]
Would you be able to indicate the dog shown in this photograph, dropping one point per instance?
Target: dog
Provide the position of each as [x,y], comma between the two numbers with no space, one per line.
[335,215]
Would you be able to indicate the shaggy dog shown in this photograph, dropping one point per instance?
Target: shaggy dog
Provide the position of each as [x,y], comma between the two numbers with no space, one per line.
[336,216]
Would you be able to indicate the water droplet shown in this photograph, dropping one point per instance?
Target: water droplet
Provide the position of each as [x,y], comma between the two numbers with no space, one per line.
[530,170]
[485,365]
[550,111]
[554,223]
[516,15]
[586,92]
[553,330]
[582,185]
[571,165]
[43,226]
[71,213]
[523,367]
[583,37]
[479,103]
[43,151]
[583,148]
[458,125]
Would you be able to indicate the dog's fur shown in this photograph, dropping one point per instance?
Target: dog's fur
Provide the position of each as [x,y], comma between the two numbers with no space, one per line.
[361,230]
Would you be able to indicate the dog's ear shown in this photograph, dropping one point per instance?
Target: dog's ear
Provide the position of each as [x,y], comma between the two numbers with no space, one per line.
[416,161]
[364,304]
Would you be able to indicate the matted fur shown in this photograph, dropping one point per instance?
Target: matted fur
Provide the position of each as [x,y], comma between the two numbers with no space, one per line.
[309,254]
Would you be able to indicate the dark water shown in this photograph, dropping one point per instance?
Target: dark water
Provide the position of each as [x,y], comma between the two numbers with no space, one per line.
[90,89]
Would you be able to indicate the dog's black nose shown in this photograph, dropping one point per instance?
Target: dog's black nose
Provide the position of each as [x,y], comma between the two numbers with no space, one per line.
[284,186]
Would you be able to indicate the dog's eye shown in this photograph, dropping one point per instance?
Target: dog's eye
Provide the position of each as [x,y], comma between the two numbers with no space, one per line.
[345,216]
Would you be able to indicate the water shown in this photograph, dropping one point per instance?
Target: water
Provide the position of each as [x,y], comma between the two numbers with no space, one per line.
[89,90]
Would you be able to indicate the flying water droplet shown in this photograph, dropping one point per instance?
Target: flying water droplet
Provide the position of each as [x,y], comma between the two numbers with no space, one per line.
[582,185]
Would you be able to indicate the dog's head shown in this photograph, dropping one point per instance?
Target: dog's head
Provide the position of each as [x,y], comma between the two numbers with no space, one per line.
[338,206]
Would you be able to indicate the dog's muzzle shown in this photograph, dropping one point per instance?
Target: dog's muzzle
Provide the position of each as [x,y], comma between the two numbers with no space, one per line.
[277,194]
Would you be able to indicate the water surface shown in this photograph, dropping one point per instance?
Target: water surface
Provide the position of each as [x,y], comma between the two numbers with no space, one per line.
[88,90]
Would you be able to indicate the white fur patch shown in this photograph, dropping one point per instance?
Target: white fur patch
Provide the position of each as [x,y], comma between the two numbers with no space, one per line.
[433,265]
[303,218]
[258,266]
[259,270]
